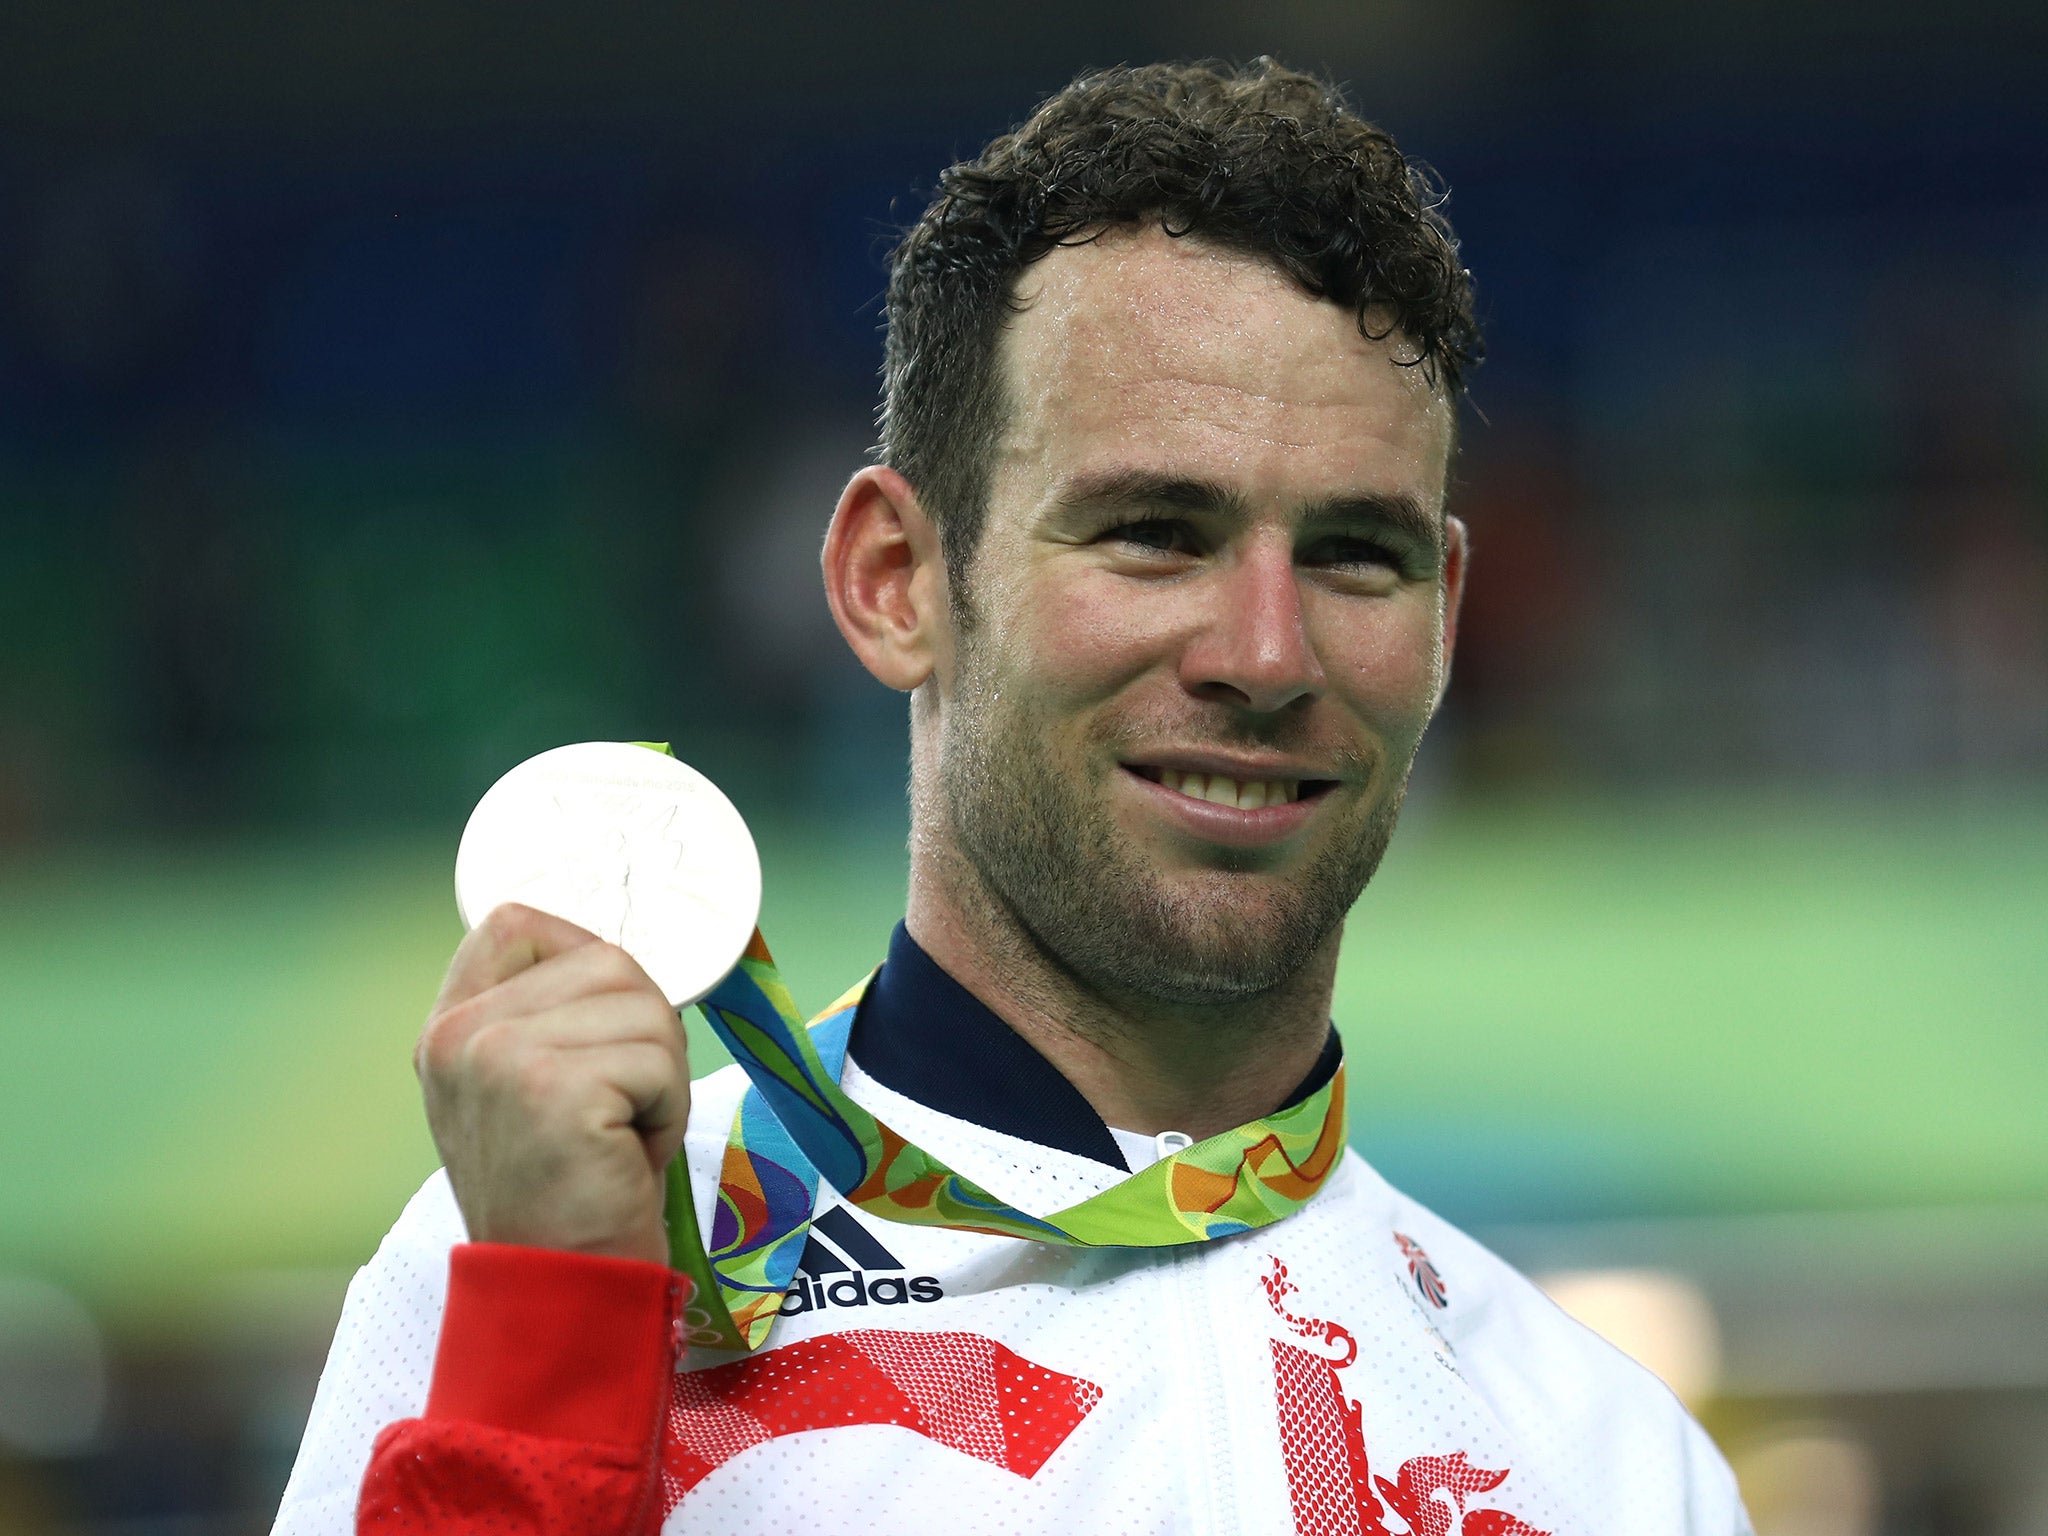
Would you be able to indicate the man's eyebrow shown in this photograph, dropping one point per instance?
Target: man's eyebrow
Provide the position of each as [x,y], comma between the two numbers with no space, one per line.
[1138,489]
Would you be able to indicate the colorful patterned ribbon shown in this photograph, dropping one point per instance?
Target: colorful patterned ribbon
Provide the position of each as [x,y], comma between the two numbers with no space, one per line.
[796,1124]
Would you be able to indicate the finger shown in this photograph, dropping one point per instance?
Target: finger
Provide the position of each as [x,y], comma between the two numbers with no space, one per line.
[609,1018]
[589,970]
[634,1085]
[661,1110]
[477,1040]
[510,939]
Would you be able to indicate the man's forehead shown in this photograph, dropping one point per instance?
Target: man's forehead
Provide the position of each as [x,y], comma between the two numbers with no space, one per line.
[1139,341]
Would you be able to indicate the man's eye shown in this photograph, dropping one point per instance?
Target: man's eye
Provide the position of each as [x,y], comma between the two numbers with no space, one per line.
[1353,552]
[1165,535]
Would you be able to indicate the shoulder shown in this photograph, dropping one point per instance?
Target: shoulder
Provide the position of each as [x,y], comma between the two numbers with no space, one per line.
[1497,1317]
[1620,1433]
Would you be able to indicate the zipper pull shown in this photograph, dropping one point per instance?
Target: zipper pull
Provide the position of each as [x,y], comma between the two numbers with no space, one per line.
[1166,1143]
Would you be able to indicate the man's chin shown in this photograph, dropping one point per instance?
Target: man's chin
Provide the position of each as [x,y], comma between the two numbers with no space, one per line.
[1237,890]
[1208,930]
[1139,907]
[1211,938]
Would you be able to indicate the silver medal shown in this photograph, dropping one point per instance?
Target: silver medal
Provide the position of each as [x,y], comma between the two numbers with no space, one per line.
[627,842]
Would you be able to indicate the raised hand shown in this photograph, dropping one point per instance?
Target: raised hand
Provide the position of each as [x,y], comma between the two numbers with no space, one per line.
[557,1088]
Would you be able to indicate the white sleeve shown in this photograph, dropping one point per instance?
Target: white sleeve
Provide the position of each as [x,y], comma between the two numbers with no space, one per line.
[379,1365]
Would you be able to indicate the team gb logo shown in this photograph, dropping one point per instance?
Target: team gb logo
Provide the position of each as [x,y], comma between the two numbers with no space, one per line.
[1427,1280]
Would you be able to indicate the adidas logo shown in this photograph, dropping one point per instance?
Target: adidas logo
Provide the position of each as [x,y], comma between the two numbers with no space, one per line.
[840,1246]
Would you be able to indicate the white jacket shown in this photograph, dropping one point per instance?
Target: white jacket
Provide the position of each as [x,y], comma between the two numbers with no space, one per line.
[1190,1390]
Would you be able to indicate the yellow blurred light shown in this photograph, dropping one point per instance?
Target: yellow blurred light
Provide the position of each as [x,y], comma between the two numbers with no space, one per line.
[1809,1480]
[1659,1319]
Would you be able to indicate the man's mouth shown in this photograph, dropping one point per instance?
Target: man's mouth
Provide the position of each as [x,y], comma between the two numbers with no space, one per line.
[1239,794]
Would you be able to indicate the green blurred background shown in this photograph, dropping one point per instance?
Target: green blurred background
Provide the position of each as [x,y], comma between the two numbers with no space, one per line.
[1560,1011]
[388,393]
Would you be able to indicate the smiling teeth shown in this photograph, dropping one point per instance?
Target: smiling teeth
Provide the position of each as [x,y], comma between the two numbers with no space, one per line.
[1245,795]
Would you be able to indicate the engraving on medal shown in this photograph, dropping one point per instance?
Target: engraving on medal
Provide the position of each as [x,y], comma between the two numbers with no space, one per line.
[631,844]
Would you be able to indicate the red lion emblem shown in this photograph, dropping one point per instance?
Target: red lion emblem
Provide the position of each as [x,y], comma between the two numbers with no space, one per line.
[1334,1489]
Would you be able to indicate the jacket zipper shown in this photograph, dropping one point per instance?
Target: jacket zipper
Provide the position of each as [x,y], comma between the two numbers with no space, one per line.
[1216,1512]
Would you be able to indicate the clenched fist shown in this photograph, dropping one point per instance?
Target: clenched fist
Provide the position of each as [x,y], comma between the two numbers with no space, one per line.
[557,1088]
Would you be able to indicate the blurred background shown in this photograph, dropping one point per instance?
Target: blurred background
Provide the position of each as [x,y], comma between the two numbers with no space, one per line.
[388,392]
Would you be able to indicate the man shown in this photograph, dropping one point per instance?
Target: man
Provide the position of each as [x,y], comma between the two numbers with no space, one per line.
[1158,549]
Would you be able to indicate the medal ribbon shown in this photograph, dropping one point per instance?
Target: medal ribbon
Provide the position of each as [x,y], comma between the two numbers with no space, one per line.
[796,1125]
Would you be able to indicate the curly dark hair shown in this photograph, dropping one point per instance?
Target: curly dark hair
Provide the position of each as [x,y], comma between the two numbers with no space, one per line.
[1264,160]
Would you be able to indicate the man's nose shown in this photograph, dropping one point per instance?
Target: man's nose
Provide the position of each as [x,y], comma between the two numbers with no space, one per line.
[1254,650]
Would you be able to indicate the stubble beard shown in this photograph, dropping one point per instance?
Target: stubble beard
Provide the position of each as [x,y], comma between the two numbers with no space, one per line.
[1047,849]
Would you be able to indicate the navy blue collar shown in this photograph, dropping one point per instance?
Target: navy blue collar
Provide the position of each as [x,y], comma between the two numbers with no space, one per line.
[922,1034]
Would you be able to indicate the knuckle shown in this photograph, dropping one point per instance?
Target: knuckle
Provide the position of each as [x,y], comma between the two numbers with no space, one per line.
[439,1041]
[607,960]
[623,969]
[496,1060]
[457,1043]
[645,1016]
[508,920]
[536,1078]
[491,1048]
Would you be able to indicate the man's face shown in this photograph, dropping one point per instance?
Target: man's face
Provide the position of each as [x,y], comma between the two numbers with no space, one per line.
[1206,624]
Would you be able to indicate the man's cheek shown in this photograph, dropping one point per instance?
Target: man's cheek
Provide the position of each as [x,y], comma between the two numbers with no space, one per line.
[1078,649]
[1395,691]
[1388,659]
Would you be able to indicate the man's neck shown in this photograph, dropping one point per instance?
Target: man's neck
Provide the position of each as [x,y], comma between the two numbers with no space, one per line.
[1143,1066]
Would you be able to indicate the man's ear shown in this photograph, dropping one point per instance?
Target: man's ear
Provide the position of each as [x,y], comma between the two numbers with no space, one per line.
[1457,548]
[885,578]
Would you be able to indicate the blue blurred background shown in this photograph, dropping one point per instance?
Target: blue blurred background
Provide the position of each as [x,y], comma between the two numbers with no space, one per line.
[390,392]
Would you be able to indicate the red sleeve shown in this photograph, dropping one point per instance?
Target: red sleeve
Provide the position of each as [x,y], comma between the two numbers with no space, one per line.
[551,1385]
